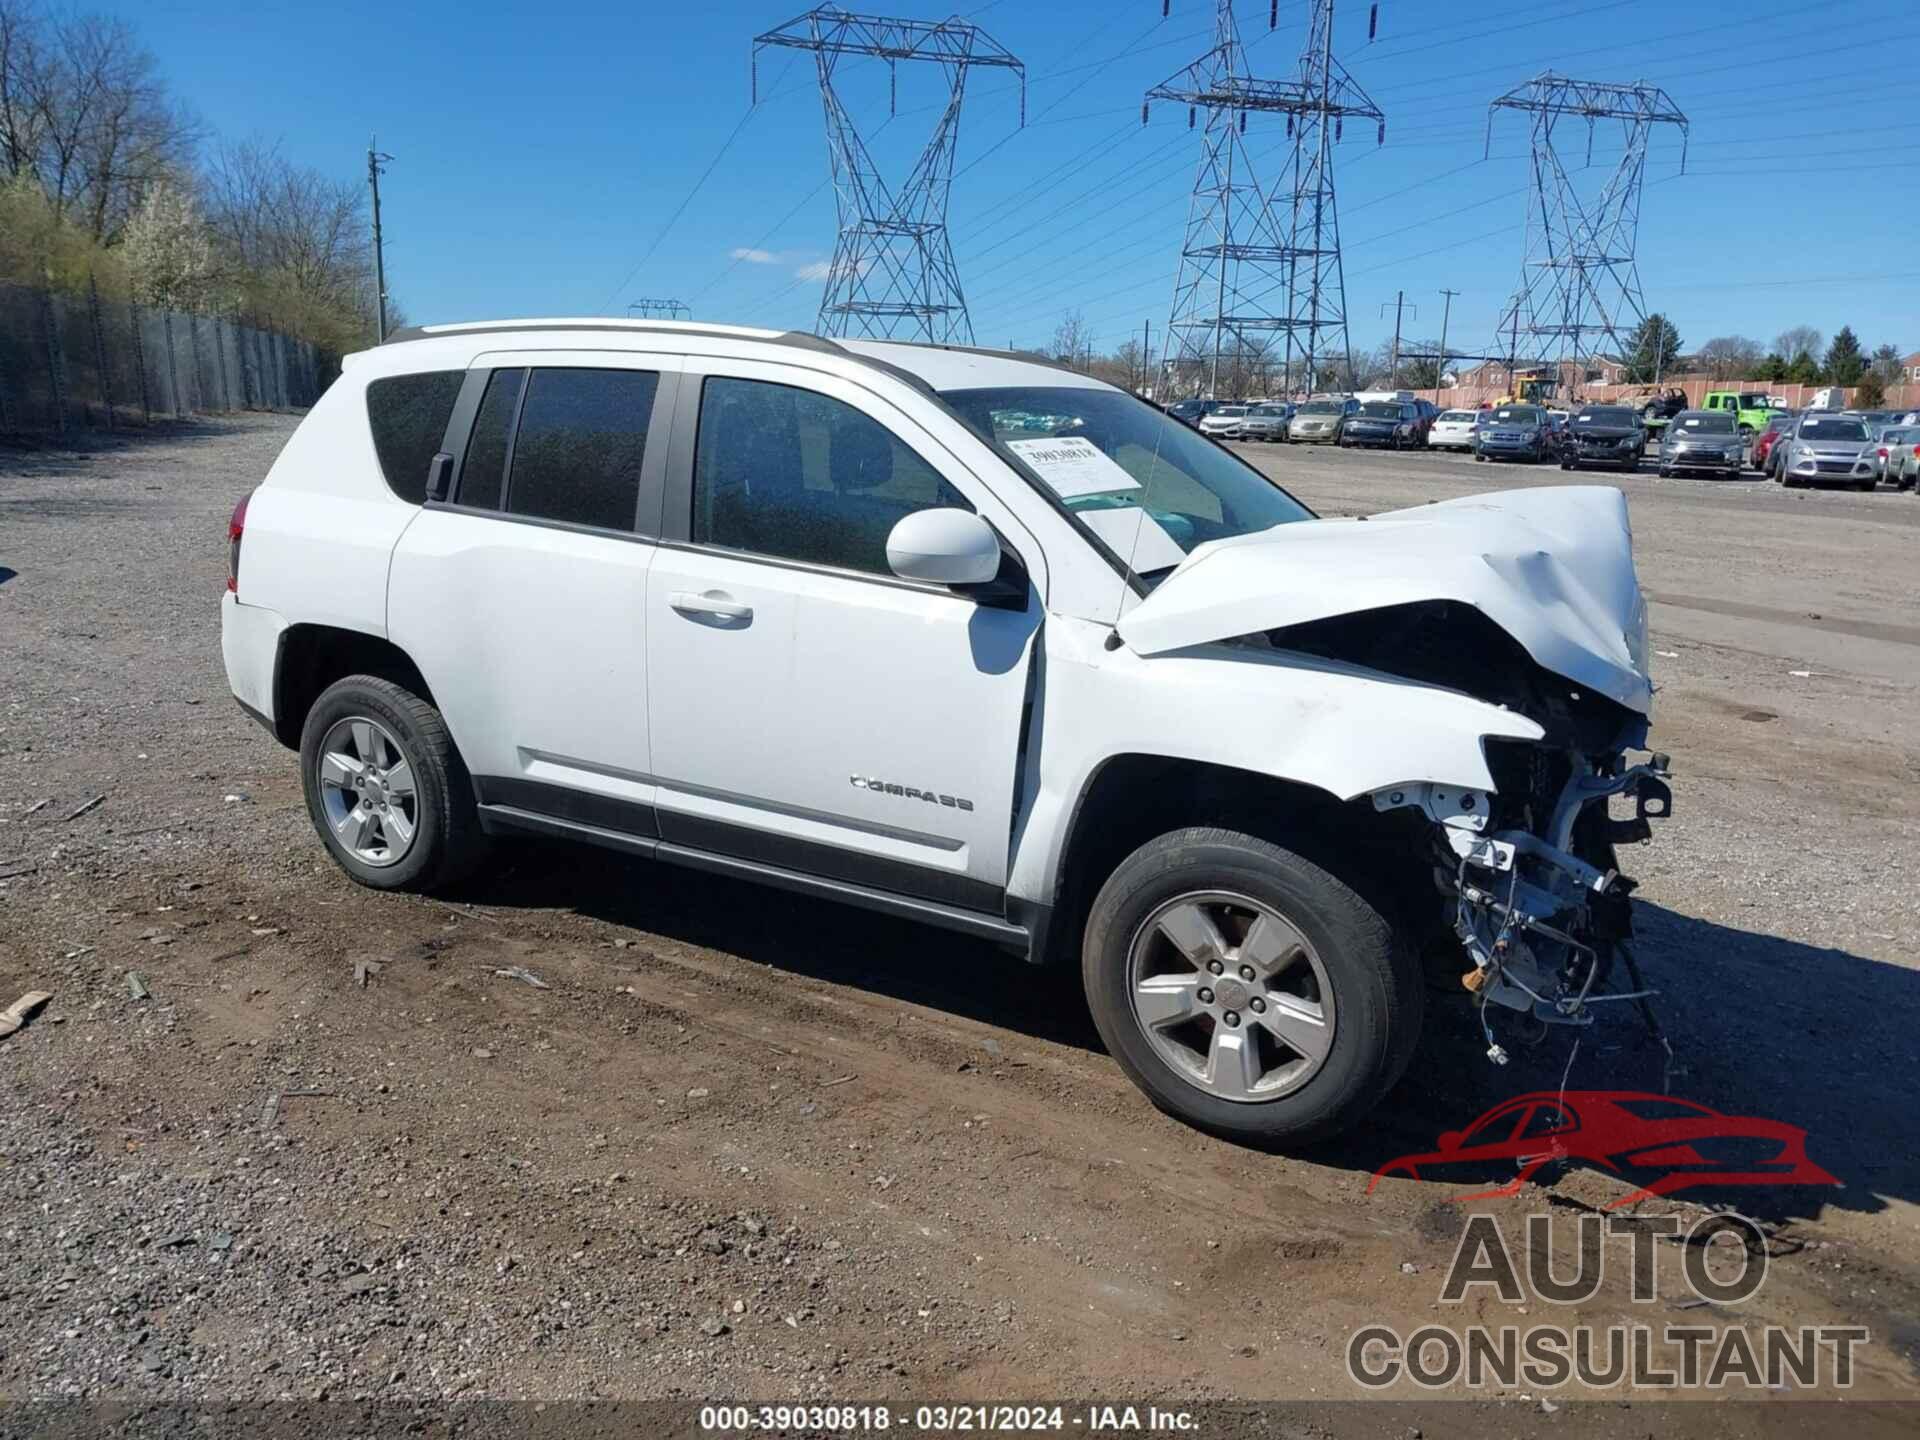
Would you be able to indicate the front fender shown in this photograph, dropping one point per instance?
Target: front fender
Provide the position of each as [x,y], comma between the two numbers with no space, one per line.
[1337,727]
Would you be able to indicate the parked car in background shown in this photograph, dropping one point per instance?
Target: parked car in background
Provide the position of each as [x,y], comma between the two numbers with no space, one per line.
[1658,412]
[1223,422]
[1750,409]
[1897,444]
[1394,423]
[1827,449]
[1514,432]
[1453,430]
[1703,441]
[1320,422]
[1760,453]
[1192,412]
[1266,422]
[1604,435]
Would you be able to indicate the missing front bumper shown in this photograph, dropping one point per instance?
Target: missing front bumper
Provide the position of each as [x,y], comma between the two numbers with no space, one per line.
[1541,922]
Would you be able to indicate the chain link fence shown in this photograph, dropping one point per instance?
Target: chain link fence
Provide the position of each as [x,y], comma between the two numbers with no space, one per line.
[82,359]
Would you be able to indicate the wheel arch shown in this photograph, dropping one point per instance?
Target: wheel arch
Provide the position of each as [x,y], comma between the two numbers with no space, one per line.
[1133,796]
[312,657]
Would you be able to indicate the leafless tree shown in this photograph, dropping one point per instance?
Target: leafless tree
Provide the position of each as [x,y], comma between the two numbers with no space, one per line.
[1799,339]
[288,238]
[1730,357]
[1070,338]
[84,113]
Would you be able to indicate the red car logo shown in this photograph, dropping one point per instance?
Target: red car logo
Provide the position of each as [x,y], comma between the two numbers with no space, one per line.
[1663,1143]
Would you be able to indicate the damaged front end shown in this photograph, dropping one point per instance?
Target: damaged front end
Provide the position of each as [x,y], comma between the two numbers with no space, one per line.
[1539,905]
[1527,871]
[1526,601]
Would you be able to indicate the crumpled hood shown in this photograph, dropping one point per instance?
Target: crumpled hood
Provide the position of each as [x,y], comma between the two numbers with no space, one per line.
[1553,567]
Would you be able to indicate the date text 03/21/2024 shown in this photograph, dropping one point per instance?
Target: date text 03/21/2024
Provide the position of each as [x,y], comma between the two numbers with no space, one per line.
[946,1419]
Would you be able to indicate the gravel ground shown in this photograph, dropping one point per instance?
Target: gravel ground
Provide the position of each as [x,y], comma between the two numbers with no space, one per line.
[747,1144]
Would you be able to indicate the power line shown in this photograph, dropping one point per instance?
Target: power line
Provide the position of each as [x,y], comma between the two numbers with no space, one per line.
[893,265]
[681,208]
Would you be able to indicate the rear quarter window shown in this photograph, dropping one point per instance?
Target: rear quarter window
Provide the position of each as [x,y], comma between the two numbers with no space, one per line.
[408,416]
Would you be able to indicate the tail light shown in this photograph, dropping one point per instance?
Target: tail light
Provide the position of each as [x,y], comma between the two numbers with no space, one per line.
[235,527]
[1883,452]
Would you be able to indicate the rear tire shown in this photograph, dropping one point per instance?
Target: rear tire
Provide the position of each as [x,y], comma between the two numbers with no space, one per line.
[1339,959]
[424,842]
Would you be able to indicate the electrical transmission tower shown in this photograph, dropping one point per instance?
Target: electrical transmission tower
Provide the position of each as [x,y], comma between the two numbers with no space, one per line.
[1579,281]
[892,271]
[1259,263]
[660,309]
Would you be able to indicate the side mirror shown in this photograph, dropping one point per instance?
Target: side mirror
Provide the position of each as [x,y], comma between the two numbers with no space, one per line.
[946,546]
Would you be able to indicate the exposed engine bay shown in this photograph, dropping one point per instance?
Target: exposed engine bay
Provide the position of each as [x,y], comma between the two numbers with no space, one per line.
[1528,869]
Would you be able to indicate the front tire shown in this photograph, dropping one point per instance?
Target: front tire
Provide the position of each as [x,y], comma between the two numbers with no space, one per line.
[1246,990]
[386,789]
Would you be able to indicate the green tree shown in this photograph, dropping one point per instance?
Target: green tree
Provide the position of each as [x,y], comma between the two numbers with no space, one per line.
[1845,363]
[1651,350]
[1869,394]
[1804,370]
[1774,370]
[1886,364]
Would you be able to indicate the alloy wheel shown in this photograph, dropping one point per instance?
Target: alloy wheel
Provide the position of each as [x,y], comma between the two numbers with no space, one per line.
[1231,995]
[368,791]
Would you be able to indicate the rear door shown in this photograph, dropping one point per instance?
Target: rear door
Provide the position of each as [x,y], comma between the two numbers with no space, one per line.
[810,710]
[521,596]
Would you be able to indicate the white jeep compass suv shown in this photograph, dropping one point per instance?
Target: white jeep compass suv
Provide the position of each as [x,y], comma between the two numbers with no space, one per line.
[975,640]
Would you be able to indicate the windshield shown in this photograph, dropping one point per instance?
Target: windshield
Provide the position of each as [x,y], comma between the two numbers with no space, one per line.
[1380,410]
[1150,489]
[1520,414]
[1837,429]
[1608,415]
[1715,424]
[1322,407]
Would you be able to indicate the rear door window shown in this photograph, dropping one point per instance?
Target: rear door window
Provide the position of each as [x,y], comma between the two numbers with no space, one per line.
[408,416]
[483,476]
[561,444]
[578,447]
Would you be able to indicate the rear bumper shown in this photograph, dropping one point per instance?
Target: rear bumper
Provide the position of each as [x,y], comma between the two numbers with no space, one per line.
[250,639]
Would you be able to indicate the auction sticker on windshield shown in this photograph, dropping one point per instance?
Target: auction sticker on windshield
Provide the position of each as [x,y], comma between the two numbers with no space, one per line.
[1073,466]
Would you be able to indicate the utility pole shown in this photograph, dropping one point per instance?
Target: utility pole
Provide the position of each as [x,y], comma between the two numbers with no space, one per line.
[893,273]
[1146,351]
[1393,366]
[1440,366]
[376,162]
[1579,276]
[645,309]
[1280,241]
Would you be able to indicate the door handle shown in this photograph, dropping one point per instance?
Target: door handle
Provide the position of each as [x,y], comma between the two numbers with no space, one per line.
[715,603]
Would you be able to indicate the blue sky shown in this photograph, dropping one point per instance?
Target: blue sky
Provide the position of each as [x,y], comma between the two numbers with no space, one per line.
[547,157]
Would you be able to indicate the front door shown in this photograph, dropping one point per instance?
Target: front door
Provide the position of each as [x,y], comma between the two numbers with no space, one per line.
[810,710]
[522,596]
